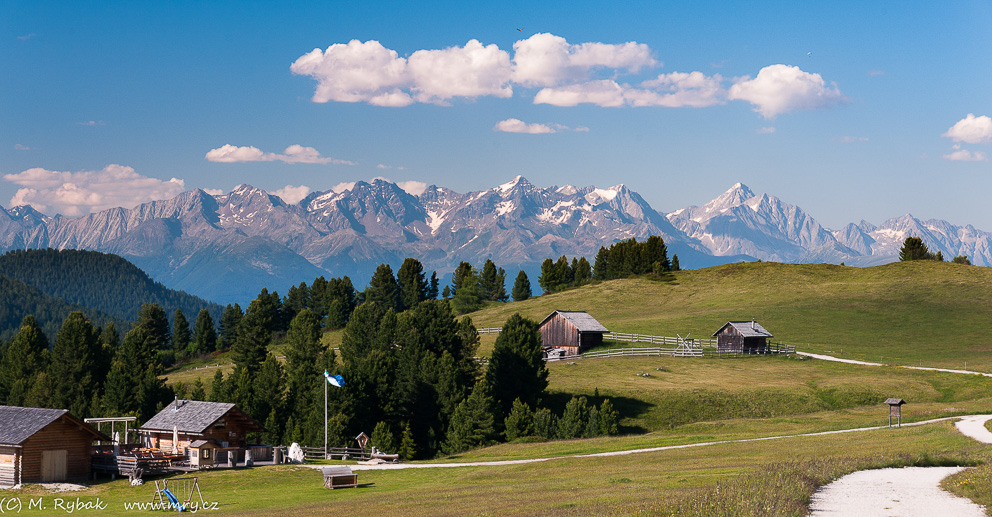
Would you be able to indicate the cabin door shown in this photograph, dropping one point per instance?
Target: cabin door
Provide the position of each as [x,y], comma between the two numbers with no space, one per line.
[53,465]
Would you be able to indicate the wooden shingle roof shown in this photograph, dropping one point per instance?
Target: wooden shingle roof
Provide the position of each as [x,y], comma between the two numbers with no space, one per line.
[195,416]
[581,320]
[17,424]
[747,329]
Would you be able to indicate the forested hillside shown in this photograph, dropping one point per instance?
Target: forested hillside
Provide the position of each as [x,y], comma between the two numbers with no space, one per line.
[18,300]
[100,281]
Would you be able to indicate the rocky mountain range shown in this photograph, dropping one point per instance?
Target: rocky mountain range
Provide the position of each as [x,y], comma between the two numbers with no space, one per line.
[227,247]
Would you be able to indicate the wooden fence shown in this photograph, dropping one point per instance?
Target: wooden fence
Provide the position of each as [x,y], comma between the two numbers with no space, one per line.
[317,453]
[657,340]
[489,330]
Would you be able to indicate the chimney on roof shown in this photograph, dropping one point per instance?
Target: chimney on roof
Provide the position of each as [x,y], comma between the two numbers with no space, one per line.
[752,323]
[175,404]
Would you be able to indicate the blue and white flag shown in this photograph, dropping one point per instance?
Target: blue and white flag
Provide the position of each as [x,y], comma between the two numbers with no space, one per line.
[334,380]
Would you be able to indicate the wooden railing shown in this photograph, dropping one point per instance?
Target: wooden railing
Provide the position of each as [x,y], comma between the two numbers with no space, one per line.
[317,453]
[657,340]
[489,330]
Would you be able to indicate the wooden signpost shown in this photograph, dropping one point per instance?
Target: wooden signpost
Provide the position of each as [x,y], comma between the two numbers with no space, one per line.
[895,410]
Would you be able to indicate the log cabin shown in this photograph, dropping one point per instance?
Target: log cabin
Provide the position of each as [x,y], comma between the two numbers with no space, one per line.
[40,445]
[747,337]
[571,331]
[186,421]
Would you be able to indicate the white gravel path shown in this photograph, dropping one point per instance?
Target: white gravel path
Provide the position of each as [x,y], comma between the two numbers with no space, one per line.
[974,427]
[904,492]
[823,357]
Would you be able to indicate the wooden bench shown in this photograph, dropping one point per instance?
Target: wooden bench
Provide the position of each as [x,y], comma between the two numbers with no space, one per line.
[339,477]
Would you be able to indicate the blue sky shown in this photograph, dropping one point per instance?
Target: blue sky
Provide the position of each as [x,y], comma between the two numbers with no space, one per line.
[843,108]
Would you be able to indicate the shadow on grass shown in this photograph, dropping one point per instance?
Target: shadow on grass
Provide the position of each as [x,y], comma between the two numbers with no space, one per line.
[626,407]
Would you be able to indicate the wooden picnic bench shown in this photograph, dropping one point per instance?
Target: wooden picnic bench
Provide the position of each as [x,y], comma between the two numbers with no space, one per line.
[339,477]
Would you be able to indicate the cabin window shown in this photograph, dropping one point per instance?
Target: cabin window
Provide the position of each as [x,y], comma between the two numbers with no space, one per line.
[219,424]
[206,454]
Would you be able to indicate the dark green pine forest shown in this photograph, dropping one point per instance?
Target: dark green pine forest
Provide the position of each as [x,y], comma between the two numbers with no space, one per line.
[50,284]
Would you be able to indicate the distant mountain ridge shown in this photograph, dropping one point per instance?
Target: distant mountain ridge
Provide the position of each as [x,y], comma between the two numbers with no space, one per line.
[227,247]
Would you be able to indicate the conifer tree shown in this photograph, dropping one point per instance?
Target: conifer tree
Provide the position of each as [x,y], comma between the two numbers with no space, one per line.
[25,357]
[469,296]
[204,337]
[675,263]
[520,421]
[913,248]
[463,269]
[73,361]
[412,283]
[432,291]
[583,272]
[152,318]
[254,335]
[198,392]
[303,373]
[408,447]
[382,438]
[600,265]
[218,388]
[383,289]
[180,333]
[608,419]
[269,386]
[521,287]
[516,368]
[472,423]
[574,420]
[545,423]
[230,323]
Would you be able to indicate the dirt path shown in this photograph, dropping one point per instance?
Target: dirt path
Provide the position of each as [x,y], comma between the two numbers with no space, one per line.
[823,357]
[401,466]
[905,492]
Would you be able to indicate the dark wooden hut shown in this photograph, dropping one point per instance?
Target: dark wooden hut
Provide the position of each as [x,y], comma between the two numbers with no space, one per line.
[742,337]
[572,331]
[186,421]
[44,445]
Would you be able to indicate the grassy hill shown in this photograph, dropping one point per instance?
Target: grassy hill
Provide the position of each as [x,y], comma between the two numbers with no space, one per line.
[910,313]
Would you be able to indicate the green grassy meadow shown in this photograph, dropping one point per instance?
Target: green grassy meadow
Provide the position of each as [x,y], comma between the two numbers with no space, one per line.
[908,313]
[934,314]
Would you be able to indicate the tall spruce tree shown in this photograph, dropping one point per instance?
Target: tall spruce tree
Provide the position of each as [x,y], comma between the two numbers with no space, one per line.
[521,287]
[152,318]
[472,424]
[303,372]
[73,362]
[181,335]
[516,367]
[383,289]
[205,336]
[675,263]
[412,283]
[23,360]
[432,289]
[254,335]
[230,324]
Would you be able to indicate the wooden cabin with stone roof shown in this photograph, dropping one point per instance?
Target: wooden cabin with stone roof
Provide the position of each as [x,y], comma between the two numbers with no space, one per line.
[571,331]
[186,421]
[40,445]
[747,337]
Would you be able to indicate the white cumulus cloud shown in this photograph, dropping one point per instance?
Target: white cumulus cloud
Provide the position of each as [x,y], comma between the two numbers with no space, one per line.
[964,155]
[779,89]
[214,191]
[604,93]
[412,187]
[549,60]
[678,89]
[369,72]
[512,125]
[470,71]
[80,193]
[971,130]
[291,194]
[293,154]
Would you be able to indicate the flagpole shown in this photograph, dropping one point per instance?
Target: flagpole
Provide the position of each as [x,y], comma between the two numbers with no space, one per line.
[324,382]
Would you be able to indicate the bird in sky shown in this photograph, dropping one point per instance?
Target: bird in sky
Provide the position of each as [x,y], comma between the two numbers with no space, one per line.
[521,30]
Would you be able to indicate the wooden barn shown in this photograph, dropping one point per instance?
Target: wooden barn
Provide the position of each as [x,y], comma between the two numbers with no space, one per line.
[572,331]
[186,421]
[44,445]
[747,337]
